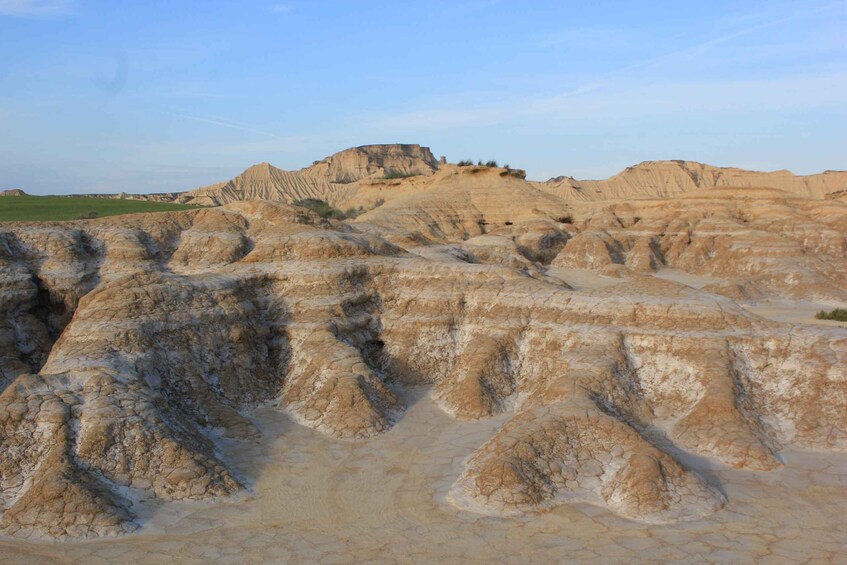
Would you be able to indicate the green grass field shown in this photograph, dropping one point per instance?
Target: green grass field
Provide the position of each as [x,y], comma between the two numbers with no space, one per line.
[55,208]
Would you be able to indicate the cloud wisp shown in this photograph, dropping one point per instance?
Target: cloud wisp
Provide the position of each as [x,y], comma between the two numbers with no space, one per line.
[280,8]
[35,8]
[223,122]
[750,94]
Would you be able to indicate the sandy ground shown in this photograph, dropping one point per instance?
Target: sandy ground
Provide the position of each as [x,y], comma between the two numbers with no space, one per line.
[694,281]
[384,500]
[789,311]
[794,312]
[580,279]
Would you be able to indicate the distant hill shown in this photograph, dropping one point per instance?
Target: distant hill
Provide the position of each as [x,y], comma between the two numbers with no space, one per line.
[668,178]
[324,179]
[359,176]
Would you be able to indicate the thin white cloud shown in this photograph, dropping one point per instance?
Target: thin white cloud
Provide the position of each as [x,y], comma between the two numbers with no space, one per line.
[704,47]
[665,96]
[632,100]
[223,122]
[590,37]
[280,8]
[35,8]
[473,6]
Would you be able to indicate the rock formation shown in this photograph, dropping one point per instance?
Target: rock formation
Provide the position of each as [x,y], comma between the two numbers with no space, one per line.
[756,242]
[669,178]
[130,345]
[360,176]
[263,182]
[365,161]
[13,192]
[325,180]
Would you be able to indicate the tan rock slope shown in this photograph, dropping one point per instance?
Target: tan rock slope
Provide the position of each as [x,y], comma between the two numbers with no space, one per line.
[669,178]
[324,180]
[130,345]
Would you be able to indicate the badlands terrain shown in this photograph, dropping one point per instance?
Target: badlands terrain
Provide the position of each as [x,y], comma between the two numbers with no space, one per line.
[475,367]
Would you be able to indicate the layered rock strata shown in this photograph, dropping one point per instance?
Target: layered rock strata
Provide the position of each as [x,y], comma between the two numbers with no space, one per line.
[129,344]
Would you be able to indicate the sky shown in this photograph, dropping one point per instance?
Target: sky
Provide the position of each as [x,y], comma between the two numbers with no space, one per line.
[160,96]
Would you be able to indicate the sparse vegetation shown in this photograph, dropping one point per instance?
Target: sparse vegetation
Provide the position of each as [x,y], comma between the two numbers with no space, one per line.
[352,212]
[61,208]
[321,208]
[838,314]
[398,174]
[326,210]
[480,163]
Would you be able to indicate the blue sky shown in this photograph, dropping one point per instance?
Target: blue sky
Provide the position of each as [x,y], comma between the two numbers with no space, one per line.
[162,96]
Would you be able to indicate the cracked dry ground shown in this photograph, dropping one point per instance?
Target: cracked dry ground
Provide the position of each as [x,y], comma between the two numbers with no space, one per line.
[133,349]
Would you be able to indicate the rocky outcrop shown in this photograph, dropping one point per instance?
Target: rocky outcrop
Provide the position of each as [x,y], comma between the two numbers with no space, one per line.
[365,161]
[324,180]
[13,192]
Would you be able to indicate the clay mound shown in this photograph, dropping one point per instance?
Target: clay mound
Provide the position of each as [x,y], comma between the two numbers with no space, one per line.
[575,453]
[128,345]
[66,502]
[263,182]
[669,178]
[461,202]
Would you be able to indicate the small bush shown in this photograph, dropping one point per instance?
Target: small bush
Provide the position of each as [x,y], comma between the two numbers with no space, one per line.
[352,212]
[480,163]
[839,315]
[90,215]
[398,175]
[321,208]
[327,210]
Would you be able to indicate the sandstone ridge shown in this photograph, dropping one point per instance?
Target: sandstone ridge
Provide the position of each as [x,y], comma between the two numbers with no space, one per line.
[669,178]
